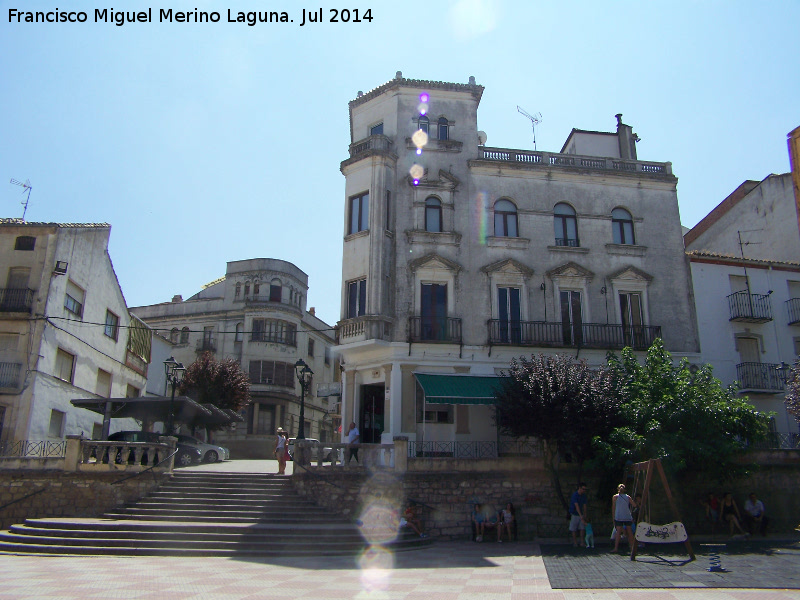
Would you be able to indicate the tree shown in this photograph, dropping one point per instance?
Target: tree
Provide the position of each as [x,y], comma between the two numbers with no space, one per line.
[792,399]
[562,403]
[686,418]
[222,383]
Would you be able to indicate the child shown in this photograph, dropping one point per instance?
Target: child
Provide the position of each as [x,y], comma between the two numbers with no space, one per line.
[479,520]
[589,535]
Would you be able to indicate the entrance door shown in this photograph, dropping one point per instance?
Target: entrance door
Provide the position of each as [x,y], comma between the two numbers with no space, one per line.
[630,306]
[508,313]
[434,311]
[372,414]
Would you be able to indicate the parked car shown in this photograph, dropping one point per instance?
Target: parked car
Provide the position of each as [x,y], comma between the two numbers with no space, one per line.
[314,450]
[211,452]
[186,455]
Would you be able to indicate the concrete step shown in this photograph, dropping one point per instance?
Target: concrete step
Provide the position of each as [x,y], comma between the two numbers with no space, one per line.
[212,517]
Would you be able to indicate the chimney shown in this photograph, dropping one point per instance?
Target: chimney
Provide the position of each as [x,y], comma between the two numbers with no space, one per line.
[626,139]
[177,298]
[312,311]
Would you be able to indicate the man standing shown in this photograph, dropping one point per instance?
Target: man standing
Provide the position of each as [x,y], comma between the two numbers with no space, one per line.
[353,438]
[577,514]
[754,516]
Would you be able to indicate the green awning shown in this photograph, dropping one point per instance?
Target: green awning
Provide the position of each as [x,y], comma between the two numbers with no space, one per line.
[459,389]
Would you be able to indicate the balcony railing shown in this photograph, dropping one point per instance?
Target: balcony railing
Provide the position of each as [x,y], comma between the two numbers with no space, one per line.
[373,142]
[568,242]
[434,329]
[34,448]
[472,449]
[761,376]
[559,335]
[793,308]
[552,159]
[16,300]
[288,338]
[782,441]
[749,308]
[10,375]
[206,345]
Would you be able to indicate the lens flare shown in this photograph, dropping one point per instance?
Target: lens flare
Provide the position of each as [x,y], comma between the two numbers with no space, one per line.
[420,138]
[376,564]
[480,216]
[423,108]
[419,151]
[416,171]
[424,97]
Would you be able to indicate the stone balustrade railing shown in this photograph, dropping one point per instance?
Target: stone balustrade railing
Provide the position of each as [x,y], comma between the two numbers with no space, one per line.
[553,159]
[312,454]
[98,456]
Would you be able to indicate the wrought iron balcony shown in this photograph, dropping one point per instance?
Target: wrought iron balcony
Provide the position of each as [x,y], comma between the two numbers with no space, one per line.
[793,308]
[206,345]
[761,376]
[559,335]
[749,308]
[434,329]
[16,300]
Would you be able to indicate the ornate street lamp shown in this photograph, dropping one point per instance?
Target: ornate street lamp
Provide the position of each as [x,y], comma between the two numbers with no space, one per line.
[174,372]
[304,374]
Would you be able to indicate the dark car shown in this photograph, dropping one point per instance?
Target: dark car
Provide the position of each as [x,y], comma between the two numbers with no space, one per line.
[186,455]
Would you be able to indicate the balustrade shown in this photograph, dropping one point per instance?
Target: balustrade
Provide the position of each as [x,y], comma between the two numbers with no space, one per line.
[572,160]
[584,335]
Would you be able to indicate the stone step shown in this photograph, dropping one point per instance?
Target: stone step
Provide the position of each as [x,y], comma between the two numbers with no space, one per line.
[207,498]
[210,517]
[175,526]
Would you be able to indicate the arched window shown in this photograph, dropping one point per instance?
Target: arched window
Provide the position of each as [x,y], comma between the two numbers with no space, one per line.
[433,215]
[256,287]
[239,332]
[444,128]
[275,290]
[622,226]
[173,335]
[424,123]
[566,225]
[505,219]
[246,288]
[238,290]
[185,335]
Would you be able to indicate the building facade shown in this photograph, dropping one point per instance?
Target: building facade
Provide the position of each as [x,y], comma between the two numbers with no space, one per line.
[65,331]
[745,263]
[459,257]
[256,314]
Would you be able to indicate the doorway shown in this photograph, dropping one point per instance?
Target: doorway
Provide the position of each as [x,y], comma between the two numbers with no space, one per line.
[372,414]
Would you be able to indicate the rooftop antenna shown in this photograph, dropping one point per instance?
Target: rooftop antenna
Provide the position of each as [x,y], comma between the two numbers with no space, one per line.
[26,187]
[535,120]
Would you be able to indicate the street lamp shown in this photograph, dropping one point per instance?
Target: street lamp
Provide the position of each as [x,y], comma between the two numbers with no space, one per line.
[174,372]
[304,374]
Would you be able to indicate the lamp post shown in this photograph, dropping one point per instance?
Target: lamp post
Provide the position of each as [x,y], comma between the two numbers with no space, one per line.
[304,374]
[174,372]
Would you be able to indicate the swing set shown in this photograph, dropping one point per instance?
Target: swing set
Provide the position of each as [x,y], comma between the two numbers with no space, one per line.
[647,532]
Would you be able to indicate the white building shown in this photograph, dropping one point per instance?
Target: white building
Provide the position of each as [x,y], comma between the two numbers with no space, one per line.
[256,314]
[65,331]
[459,257]
[745,262]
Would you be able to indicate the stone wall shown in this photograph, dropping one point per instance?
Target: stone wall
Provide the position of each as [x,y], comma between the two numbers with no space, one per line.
[68,494]
[447,494]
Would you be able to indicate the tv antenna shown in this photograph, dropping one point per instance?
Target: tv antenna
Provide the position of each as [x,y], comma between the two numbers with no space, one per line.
[26,189]
[535,120]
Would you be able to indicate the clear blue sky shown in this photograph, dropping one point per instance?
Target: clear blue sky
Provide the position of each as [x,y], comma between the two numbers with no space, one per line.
[205,143]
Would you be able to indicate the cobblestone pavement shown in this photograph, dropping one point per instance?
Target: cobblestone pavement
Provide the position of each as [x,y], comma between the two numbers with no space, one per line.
[446,571]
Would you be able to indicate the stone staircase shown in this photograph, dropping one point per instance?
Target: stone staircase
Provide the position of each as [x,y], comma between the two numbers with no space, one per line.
[203,514]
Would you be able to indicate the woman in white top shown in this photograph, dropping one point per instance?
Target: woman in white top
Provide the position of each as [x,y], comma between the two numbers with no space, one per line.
[621,505]
[280,451]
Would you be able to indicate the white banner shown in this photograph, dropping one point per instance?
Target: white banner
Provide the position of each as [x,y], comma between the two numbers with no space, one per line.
[661,534]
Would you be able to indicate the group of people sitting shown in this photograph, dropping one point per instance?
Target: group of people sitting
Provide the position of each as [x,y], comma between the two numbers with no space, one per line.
[484,518]
[726,511]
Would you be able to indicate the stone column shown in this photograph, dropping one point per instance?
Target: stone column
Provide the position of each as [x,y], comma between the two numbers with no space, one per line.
[72,456]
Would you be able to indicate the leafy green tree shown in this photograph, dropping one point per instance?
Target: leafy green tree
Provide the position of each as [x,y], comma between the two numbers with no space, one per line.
[561,402]
[218,382]
[792,399]
[686,418]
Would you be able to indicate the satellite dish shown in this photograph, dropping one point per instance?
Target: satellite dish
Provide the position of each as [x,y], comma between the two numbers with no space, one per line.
[481,138]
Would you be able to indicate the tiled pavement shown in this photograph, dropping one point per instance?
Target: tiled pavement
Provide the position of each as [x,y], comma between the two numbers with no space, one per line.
[446,571]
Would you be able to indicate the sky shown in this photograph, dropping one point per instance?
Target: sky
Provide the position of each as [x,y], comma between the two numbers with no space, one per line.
[203,143]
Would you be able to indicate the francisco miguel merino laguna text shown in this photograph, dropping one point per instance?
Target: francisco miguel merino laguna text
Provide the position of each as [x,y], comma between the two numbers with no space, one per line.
[119,18]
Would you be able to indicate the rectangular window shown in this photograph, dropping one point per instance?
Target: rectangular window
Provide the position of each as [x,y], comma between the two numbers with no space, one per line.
[571,321]
[259,328]
[359,213]
[327,355]
[275,293]
[103,386]
[376,129]
[508,308]
[433,311]
[65,365]
[132,391]
[97,431]
[25,242]
[112,325]
[356,298]
[56,428]
[310,347]
[73,299]
[630,306]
